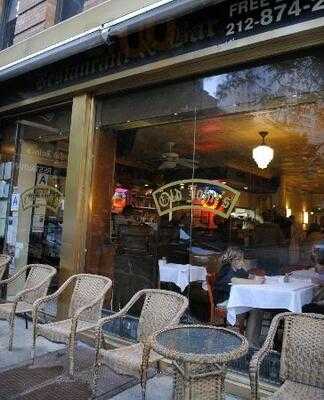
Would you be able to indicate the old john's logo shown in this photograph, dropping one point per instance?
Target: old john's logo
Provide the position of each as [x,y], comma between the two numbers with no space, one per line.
[200,194]
[42,196]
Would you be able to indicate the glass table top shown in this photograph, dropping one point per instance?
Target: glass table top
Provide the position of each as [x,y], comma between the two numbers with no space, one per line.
[199,340]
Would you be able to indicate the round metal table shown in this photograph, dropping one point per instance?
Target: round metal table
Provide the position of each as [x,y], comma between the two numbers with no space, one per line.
[200,355]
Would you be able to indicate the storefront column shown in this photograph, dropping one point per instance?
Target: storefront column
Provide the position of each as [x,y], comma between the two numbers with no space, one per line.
[78,184]
[100,253]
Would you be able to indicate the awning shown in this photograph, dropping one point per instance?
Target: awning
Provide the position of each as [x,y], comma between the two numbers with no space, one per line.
[53,54]
[167,12]
[158,13]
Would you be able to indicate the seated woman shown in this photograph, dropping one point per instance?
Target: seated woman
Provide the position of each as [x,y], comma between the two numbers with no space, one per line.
[233,265]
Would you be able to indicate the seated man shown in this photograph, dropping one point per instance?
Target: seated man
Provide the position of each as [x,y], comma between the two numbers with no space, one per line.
[269,243]
[317,305]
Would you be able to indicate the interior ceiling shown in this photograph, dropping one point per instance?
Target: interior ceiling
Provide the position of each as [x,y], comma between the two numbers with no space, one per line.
[48,127]
[295,133]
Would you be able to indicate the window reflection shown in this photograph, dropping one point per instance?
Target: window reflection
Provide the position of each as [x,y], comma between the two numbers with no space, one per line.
[205,130]
[10,18]
[69,8]
[34,157]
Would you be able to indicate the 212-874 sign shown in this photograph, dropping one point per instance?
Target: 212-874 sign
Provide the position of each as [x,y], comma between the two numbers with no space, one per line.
[248,16]
[196,194]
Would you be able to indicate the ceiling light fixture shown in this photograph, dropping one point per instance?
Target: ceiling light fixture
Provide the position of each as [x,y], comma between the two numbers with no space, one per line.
[263,154]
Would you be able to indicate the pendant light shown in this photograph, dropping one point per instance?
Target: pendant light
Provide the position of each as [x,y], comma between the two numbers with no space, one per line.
[263,154]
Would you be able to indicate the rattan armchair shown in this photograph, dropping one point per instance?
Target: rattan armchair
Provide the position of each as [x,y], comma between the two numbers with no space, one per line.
[35,287]
[302,357]
[4,261]
[161,309]
[84,312]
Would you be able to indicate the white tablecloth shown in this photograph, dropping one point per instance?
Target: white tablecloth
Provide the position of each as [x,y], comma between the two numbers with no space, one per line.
[270,295]
[181,274]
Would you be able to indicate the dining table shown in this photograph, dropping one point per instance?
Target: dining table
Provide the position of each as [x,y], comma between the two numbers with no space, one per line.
[274,293]
[182,274]
[200,355]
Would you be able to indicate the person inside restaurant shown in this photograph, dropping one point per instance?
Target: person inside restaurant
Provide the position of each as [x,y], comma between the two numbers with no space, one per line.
[234,265]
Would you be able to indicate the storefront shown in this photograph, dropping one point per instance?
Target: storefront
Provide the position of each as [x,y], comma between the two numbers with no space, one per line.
[153,158]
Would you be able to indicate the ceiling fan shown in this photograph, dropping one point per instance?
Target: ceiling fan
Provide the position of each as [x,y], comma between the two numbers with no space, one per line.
[171,160]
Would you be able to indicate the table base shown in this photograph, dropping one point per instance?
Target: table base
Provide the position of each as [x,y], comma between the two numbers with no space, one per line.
[199,382]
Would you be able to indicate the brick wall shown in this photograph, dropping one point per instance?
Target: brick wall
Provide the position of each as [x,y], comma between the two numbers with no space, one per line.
[37,15]
[33,17]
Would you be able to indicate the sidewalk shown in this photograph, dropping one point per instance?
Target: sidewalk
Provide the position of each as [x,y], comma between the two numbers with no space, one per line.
[159,388]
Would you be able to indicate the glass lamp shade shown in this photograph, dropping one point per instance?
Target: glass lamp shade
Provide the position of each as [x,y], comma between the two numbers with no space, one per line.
[263,155]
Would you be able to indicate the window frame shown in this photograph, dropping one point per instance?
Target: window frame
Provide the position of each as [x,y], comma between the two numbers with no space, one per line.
[3,18]
[59,9]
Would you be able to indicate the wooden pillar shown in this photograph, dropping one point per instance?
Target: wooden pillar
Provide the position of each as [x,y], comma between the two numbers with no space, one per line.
[78,185]
[100,253]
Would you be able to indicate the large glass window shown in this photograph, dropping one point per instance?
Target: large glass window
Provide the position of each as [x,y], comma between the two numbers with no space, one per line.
[34,157]
[219,181]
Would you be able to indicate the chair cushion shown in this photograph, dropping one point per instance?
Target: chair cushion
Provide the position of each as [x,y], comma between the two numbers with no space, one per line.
[60,331]
[297,391]
[6,309]
[127,360]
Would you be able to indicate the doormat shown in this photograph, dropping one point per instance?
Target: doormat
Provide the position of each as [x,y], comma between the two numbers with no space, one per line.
[48,379]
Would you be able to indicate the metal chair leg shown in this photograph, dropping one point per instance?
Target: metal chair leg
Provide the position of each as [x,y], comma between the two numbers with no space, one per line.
[26,320]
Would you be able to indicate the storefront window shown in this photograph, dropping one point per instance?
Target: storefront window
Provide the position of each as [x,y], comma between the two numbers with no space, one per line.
[197,202]
[34,156]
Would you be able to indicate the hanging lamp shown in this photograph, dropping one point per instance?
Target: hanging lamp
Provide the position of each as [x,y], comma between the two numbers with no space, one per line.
[263,154]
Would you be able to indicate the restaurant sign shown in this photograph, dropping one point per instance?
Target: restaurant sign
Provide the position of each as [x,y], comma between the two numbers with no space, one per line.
[196,194]
[219,24]
[41,196]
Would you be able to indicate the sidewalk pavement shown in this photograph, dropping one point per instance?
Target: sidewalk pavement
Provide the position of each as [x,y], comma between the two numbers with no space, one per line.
[159,388]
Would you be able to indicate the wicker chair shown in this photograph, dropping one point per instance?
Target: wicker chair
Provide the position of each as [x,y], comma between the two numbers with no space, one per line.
[4,261]
[84,312]
[161,309]
[35,287]
[301,365]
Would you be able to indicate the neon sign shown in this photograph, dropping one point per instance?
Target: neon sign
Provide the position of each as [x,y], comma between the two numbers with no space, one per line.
[196,194]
